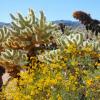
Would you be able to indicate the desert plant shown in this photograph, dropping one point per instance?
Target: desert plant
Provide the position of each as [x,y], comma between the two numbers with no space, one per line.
[70,77]
[25,35]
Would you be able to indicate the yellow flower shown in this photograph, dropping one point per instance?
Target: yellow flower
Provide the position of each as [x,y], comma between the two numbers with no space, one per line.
[72,49]
[65,59]
[97,77]
[53,81]
[32,93]
[45,70]
[74,63]
[98,55]
[89,82]
[97,64]
[87,49]
[58,76]
[59,97]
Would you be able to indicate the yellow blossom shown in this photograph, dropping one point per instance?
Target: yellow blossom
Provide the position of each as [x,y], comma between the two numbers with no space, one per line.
[89,82]
[87,49]
[53,81]
[74,63]
[58,76]
[97,77]
[59,97]
[97,64]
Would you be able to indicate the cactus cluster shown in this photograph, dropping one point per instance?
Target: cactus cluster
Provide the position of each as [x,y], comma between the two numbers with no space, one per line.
[23,34]
[29,30]
[29,34]
[63,41]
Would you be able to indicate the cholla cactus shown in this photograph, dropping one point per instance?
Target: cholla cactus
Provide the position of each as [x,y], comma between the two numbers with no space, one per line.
[29,30]
[72,38]
[4,35]
[14,56]
[23,35]
[62,41]
[94,44]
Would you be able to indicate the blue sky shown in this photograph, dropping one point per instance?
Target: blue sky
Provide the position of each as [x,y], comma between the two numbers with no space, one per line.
[53,9]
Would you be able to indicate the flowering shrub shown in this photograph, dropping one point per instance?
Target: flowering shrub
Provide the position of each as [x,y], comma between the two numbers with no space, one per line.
[75,75]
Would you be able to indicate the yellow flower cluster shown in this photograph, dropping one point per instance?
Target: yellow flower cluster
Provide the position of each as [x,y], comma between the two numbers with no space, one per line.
[57,80]
[89,82]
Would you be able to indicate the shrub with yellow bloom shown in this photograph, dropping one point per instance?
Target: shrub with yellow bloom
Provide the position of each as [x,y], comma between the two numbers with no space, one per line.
[68,78]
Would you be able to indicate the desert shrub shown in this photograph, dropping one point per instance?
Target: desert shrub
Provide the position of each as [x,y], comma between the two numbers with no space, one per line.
[74,76]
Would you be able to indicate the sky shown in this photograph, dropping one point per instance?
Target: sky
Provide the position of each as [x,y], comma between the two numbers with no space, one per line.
[53,9]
